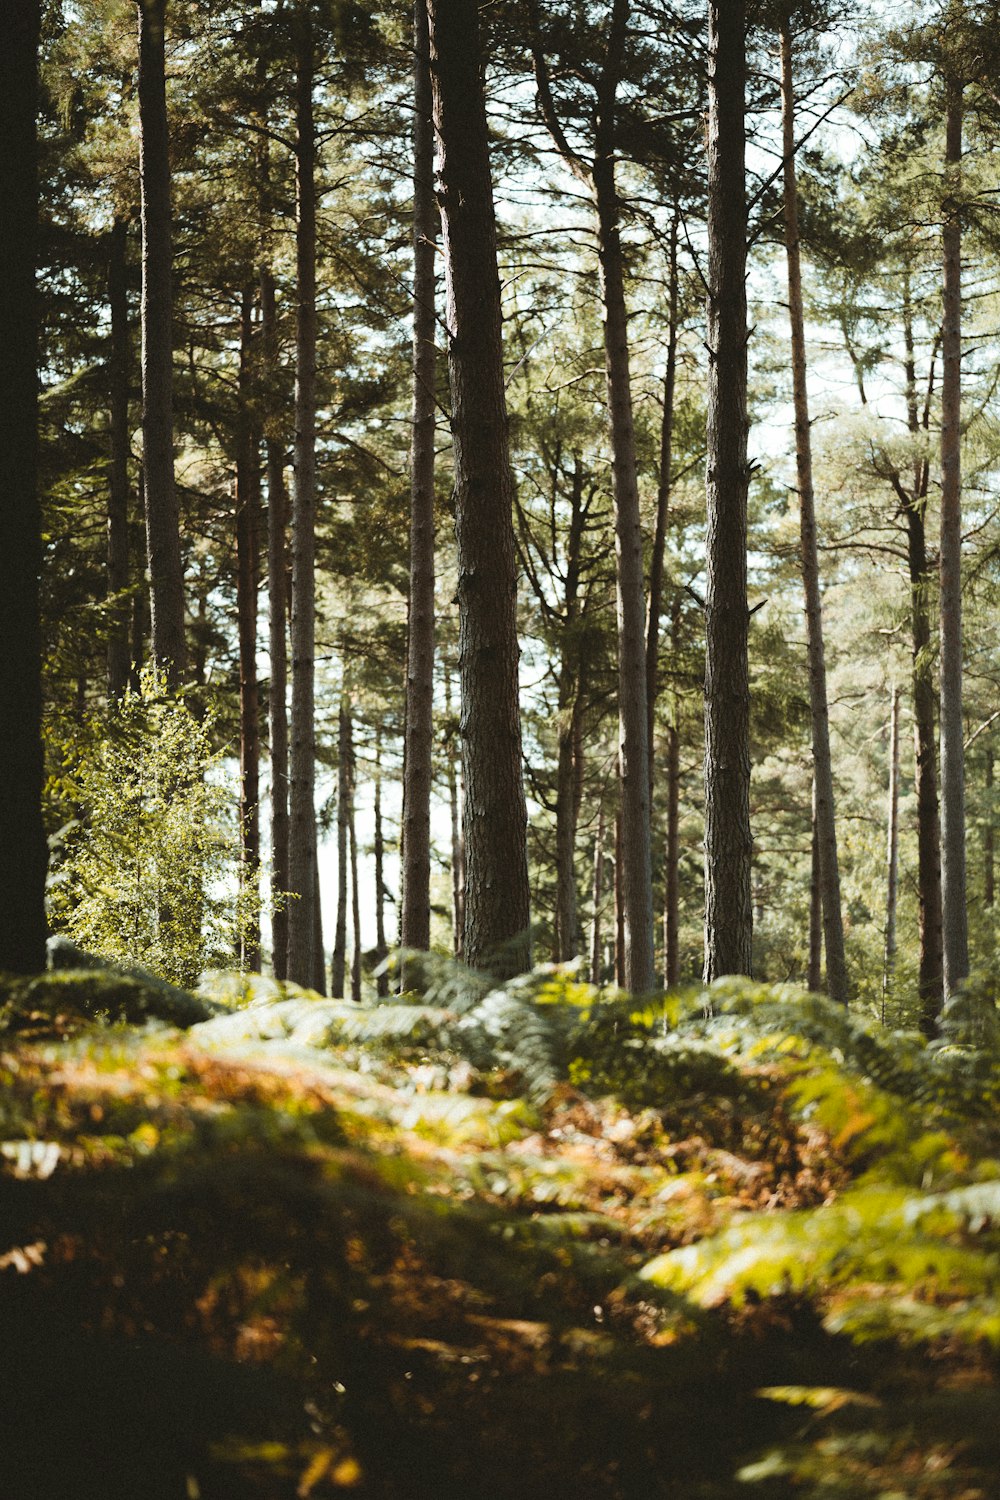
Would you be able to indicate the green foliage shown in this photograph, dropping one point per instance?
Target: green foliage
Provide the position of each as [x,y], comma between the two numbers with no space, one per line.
[150,873]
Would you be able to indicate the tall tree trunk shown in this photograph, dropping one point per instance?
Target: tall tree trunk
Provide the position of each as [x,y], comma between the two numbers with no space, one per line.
[620,944]
[318,980]
[23,849]
[415,929]
[118,489]
[989,838]
[381,946]
[826,826]
[497,934]
[671,898]
[728,840]
[137,629]
[339,971]
[892,854]
[914,504]
[662,507]
[277,598]
[457,846]
[814,975]
[302,910]
[955,927]
[570,707]
[247,586]
[355,897]
[633,729]
[163,543]
[597,896]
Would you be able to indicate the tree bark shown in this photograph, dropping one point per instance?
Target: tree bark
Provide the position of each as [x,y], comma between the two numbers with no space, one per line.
[955,927]
[381,946]
[892,854]
[163,544]
[302,910]
[497,934]
[355,896]
[814,976]
[23,849]
[620,946]
[914,503]
[339,969]
[247,587]
[989,838]
[418,761]
[728,840]
[655,604]
[119,650]
[277,598]
[570,707]
[318,979]
[597,896]
[826,824]
[671,900]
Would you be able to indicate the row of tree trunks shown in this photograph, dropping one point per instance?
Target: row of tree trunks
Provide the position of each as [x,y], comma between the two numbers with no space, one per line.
[23,849]
[728,841]
[826,827]
[496,924]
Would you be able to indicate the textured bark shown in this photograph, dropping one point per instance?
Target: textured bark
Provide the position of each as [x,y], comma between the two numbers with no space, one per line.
[119,649]
[633,728]
[163,544]
[381,946]
[914,504]
[570,710]
[457,845]
[814,976]
[247,586]
[655,603]
[892,854]
[596,898]
[826,825]
[23,850]
[355,896]
[339,968]
[728,841]
[954,914]
[416,913]
[672,885]
[989,838]
[496,934]
[303,907]
[277,599]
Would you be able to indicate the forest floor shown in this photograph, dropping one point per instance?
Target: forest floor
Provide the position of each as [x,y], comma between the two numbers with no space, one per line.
[538,1242]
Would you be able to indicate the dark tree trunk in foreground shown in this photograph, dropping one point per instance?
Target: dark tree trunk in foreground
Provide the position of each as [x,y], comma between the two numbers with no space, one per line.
[23,850]
[303,907]
[247,585]
[496,883]
[119,649]
[277,600]
[826,824]
[914,505]
[728,841]
[892,854]
[338,972]
[415,930]
[954,914]
[163,543]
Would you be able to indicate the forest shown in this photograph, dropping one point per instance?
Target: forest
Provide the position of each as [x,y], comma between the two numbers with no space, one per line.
[500,685]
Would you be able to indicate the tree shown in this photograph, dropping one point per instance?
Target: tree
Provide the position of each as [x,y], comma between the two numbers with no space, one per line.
[162,522]
[728,840]
[495,824]
[23,850]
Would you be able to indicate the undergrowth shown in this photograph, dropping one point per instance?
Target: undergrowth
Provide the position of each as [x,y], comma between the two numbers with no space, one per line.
[475,1242]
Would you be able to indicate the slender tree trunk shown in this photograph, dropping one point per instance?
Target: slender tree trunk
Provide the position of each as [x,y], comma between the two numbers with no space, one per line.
[728,840]
[925,774]
[620,938]
[118,487]
[318,979]
[989,838]
[826,825]
[416,913]
[662,507]
[570,707]
[955,927]
[496,894]
[814,978]
[277,597]
[137,553]
[633,729]
[597,896]
[339,971]
[892,854]
[302,910]
[247,587]
[163,543]
[355,896]
[671,901]
[381,946]
[457,847]
[23,849]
